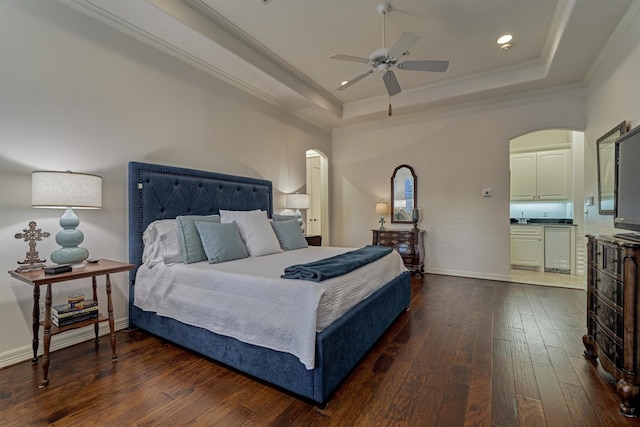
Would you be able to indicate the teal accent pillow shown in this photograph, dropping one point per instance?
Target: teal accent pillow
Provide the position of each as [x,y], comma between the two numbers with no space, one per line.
[189,238]
[289,234]
[221,242]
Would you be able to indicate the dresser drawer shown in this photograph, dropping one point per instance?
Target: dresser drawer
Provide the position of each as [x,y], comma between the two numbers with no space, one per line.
[608,316]
[608,287]
[395,238]
[597,254]
[608,347]
[612,261]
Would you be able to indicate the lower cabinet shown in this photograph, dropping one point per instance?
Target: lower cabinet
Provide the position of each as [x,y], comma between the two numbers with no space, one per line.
[527,248]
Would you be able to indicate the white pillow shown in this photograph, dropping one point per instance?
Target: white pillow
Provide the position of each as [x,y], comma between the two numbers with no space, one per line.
[255,229]
[161,243]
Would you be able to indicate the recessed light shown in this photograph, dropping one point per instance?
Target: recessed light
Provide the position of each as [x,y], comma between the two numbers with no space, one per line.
[344,82]
[505,39]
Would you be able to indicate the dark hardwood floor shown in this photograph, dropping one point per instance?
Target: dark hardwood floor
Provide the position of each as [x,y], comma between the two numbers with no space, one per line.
[468,353]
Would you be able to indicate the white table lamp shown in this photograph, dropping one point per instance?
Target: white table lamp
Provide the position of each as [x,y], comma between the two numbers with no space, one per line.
[67,190]
[297,201]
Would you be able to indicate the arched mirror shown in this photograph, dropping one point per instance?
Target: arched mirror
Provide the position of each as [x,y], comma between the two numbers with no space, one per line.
[403,194]
[606,168]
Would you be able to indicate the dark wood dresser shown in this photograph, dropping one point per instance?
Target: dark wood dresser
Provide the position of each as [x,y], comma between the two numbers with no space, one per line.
[613,314]
[408,243]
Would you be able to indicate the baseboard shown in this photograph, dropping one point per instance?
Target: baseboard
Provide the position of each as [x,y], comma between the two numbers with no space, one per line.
[470,274]
[58,342]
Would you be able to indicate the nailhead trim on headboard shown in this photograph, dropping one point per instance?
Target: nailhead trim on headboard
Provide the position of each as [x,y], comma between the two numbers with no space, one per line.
[163,192]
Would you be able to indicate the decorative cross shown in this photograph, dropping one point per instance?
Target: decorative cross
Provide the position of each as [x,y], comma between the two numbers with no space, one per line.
[32,235]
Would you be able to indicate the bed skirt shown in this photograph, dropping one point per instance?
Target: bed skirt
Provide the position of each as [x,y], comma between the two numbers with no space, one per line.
[338,348]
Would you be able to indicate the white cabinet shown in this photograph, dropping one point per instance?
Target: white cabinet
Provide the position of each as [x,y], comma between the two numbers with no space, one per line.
[542,175]
[527,246]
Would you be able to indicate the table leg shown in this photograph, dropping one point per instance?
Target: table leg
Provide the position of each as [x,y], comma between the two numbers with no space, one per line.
[47,337]
[35,323]
[114,357]
[95,298]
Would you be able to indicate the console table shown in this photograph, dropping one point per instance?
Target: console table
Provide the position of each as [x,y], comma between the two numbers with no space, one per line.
[408,243]
[613,314]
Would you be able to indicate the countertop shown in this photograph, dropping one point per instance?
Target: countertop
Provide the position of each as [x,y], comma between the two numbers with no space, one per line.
[544,221]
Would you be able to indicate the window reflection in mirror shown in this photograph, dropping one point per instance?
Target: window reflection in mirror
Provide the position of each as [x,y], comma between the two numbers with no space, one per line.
[606,169]
[403,194]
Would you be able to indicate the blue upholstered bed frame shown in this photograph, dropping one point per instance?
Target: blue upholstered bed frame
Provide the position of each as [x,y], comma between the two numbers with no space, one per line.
[163,192]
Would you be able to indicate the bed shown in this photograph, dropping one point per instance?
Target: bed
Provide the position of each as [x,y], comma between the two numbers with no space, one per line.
[158,192]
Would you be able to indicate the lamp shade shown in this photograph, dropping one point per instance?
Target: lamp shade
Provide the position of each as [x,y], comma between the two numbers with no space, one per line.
[50,189]
[297,201]
[382,208]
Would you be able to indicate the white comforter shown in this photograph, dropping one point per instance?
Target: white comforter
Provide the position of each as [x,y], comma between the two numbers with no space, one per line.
[246,299]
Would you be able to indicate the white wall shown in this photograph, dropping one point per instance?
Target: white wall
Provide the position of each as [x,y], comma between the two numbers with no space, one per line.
[613,95]
[78,95]
[455,153]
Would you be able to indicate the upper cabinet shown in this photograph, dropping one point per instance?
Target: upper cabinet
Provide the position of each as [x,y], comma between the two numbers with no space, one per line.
[542,175]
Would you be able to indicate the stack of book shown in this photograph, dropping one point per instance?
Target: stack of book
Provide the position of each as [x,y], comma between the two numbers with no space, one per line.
[68,314]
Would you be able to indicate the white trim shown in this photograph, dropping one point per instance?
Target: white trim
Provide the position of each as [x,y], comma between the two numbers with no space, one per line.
[149,39]
[63,340]
[623,27]
[469,274]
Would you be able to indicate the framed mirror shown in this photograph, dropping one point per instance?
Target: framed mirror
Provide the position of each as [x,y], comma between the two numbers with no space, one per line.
[403,194]
[606,150]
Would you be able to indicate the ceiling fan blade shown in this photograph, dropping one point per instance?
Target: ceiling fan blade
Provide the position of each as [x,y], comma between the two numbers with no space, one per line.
[355,80]
[438,66]
[390,81]
[349,58]
[403,44]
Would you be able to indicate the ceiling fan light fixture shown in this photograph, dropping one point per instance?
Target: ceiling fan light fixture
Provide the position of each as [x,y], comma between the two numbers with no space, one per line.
[505,39]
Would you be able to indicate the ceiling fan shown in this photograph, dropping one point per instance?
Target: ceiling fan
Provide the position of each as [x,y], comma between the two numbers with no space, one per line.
[383,59]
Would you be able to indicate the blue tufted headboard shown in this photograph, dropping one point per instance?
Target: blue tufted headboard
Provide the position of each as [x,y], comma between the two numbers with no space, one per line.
[164,192]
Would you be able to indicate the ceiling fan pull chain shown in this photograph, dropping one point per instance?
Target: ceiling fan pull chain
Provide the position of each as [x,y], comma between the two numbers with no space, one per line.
[390,112]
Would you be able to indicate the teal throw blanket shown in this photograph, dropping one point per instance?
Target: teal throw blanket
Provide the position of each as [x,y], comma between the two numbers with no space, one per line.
[334,266]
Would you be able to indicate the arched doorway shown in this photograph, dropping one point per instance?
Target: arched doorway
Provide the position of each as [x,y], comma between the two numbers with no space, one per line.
[541,201]
[317,188]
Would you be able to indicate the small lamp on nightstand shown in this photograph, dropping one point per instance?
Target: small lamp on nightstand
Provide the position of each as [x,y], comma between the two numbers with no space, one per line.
[297,201]
[382,208]
[67,190]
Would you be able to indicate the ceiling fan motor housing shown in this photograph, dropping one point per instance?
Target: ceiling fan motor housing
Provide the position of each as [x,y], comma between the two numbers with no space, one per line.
[383,8]
[379,54]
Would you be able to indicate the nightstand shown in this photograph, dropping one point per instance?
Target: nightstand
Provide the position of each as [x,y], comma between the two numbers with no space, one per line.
[37,278]
[315,240]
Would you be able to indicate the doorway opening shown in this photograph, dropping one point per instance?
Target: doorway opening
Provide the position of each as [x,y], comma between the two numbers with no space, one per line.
[318,190]
[546,208]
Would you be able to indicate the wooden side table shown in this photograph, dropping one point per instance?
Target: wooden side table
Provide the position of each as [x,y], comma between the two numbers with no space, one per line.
[103,267]
[408,243]
[315,240]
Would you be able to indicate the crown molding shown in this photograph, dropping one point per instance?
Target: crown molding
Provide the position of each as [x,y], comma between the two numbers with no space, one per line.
[101,15]
[625,25]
